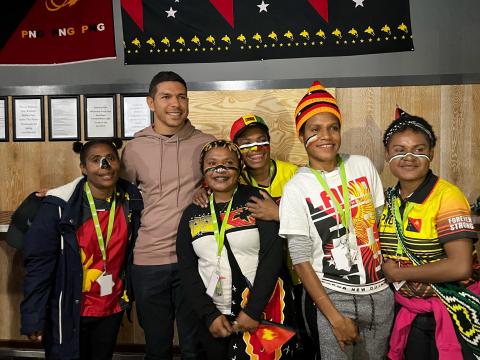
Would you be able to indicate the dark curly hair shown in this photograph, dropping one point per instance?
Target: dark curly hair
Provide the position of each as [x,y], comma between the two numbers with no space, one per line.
[82,148]
[414,123]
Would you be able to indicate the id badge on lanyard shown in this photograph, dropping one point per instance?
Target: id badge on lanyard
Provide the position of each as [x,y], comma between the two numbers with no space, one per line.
[105,280]
[215,283]
[345,252]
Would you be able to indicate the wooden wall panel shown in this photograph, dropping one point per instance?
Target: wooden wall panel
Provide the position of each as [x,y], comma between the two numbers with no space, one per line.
[215,111]
[454,112]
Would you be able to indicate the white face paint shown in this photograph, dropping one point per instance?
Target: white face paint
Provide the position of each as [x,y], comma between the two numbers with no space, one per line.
[311,140]
[219,169]
[400,157]
[103,163]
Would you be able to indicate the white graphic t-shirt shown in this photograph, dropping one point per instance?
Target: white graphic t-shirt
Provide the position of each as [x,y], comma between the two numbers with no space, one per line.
[306,210]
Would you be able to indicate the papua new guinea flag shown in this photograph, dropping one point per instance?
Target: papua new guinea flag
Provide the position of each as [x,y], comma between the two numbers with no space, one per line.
[180,31]
[56,31]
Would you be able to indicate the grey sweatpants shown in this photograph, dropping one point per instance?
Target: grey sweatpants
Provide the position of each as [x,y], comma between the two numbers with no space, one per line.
[373,315]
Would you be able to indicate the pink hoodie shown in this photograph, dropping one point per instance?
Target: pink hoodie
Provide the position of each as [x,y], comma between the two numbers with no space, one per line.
[167,171]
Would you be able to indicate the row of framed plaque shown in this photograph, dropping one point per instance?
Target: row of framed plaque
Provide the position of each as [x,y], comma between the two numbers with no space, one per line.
[64,117]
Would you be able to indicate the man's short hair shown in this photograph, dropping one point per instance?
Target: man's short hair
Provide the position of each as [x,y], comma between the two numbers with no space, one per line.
[163,76]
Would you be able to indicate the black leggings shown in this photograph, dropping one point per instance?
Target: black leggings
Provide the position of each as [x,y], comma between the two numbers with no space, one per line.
[98,336]
[421,340]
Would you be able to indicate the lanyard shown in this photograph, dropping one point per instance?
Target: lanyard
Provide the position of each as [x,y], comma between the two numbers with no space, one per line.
[344,213]
[220,235]
[270,174]
[98,230]
[400,218]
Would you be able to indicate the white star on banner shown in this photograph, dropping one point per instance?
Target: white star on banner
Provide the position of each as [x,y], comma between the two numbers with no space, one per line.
[171,12]
[177,1]
[263,7]
[358,2]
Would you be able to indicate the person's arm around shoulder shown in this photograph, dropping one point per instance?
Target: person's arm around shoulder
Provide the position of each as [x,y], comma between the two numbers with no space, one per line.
[41,252]
[263,207]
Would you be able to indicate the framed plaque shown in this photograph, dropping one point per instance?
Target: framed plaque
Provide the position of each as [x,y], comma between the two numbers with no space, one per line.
[100,116]
[136,115]
[64,118]
[3,119]
[28,122]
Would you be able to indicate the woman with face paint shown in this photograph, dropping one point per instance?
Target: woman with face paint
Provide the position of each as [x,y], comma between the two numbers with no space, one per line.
[77,256]
[427,233]
[230,263]
[328,216]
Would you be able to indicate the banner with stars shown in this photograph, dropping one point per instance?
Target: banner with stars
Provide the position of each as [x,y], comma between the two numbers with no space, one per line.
[181,31]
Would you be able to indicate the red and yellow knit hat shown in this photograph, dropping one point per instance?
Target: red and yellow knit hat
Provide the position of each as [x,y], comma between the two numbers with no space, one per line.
[315,101]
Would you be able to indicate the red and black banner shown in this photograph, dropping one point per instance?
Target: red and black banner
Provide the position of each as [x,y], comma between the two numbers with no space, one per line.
[56,31]
[181,31]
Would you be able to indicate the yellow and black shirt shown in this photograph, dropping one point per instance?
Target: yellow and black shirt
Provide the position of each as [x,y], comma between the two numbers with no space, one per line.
[437,212]
[282,173]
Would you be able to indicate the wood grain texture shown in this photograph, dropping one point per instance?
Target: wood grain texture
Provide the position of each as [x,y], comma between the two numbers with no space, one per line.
[453,111]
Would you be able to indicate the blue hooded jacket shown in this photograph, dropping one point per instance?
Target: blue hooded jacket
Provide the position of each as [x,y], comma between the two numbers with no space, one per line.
[53,267]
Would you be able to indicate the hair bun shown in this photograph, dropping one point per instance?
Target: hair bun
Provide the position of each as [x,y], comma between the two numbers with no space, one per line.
[117,142]
[77,147]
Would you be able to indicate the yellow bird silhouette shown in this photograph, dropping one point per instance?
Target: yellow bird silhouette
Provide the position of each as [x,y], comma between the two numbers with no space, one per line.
[269,334]
[211,39]
[181,41]
[353,32]
[288,35]
[165,41]
[305,34]
[151,42]
[196,40]
[89,275]
[273,36]
[337,33]
[386,29]
[321,33]
[257,37]
[242,38]
[369,31]
[226,38]
[136,42]
[403,28]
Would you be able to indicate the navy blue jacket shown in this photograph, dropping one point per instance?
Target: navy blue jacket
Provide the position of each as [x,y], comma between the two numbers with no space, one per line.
[54,274]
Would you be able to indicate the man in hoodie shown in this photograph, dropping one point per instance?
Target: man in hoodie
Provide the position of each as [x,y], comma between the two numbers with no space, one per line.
[163,160]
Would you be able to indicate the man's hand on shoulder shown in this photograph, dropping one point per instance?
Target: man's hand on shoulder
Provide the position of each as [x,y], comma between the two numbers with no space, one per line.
[264,208]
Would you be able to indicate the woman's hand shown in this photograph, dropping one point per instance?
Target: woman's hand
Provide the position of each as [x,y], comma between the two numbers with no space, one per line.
[391,271]
[263,208]
[200,197]
[35,336]
[245,323]
[220,327]
[345,331]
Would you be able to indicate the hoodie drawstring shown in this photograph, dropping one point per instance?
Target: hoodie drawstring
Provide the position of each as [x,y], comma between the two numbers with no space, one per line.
[178,170]
[161,166]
